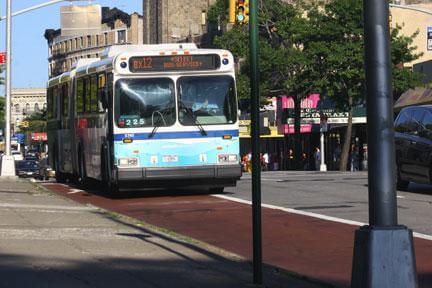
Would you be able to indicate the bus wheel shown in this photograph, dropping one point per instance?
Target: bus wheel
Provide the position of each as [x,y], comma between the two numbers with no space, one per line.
[216,190]
[110,187]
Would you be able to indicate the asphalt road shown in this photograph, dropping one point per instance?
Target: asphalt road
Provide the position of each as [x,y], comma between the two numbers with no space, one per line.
[336,194]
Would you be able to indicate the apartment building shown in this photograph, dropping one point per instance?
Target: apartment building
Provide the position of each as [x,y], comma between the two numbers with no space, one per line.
[86,31]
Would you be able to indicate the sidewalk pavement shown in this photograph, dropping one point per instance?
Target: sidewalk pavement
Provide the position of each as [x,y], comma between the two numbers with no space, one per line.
[50,241]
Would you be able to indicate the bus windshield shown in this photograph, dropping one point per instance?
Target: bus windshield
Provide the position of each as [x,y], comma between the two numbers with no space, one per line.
[206,100]
[145,102]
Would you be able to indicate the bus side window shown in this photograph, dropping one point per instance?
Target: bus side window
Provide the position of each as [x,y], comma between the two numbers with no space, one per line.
[65,100]
[49,102]
[93,94]
[80,95]
[101,92]
[87,106]
[55,102]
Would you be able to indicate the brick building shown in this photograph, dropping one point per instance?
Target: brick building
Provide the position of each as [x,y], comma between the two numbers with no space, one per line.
[86,31]
[169,21]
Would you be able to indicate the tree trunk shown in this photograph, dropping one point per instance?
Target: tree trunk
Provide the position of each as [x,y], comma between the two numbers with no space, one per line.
[347,141]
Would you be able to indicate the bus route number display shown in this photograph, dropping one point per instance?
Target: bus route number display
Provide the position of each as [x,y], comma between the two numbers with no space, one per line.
[174,63]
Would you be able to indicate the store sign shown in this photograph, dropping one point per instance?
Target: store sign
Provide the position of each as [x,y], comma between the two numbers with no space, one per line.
[39,136]
[2,58]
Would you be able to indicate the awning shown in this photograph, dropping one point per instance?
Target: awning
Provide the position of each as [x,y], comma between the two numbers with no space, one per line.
[417,96]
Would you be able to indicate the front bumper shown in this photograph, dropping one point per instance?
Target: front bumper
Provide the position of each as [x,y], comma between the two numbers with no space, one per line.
[212,175]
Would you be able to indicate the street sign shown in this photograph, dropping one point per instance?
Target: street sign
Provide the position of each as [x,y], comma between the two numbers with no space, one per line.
[2,58]
[429,38]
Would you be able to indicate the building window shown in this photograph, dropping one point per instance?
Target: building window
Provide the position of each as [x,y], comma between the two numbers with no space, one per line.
[27,109]
[44,107]
[106,38]
[121,36]
[97,40]
[17,108]
[81,42]
[75,43]
[89,41]
[36,108]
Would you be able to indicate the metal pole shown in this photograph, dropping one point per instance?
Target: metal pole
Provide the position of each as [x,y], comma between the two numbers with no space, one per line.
[256,165]
[382,190]
[383,251]
[323,166]
[8,77]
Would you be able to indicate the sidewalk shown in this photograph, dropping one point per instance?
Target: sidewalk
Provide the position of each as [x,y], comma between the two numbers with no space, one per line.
[50,241]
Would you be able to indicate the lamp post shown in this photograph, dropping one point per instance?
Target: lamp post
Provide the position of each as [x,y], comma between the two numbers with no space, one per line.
[7,162]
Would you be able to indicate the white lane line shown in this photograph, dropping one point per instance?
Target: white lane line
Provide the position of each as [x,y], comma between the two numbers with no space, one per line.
[311,214]
[400,197]
[74,191]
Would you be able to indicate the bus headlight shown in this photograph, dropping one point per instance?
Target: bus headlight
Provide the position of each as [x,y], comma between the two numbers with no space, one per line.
[131,161]
[227,158]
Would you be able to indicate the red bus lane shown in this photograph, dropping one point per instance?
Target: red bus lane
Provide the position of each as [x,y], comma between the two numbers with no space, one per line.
[307,246]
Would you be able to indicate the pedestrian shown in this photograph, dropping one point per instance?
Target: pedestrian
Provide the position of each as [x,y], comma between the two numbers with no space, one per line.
[305,161]
[266,161]
[290,159]
[354,158]
[317,158]
[336,156]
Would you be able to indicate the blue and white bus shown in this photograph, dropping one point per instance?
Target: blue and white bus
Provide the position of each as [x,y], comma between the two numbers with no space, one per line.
[146,116]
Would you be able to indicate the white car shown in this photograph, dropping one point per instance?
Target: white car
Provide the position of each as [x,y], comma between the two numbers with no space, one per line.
[17,155]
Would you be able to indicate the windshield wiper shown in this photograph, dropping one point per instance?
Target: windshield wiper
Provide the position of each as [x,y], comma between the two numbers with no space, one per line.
[159,121]
[192,116]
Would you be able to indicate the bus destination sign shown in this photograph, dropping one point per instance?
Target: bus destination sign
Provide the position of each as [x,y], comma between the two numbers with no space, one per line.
[174,63]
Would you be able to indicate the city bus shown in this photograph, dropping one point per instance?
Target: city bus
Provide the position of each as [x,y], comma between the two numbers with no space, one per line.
[145,116]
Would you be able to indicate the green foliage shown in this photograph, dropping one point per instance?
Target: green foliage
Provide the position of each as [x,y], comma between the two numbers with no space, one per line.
[306,48]
[37,122]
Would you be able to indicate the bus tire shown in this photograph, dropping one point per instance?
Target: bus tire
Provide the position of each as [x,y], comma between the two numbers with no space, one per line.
[110,186]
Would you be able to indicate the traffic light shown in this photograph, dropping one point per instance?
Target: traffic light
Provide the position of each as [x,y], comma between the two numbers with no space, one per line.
[242,15]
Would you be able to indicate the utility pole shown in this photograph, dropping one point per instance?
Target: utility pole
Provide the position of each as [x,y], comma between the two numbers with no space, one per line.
[8,163]
[383,250]
[256,165]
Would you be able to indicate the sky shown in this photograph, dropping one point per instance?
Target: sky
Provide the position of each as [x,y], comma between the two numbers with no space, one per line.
[29,46]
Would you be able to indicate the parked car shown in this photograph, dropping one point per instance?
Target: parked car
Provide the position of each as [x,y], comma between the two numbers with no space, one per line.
[31,157]
[413,140]
[17,155]
[27,168]
[45,170]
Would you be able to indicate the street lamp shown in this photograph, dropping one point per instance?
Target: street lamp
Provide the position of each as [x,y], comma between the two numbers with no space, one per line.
[8,163]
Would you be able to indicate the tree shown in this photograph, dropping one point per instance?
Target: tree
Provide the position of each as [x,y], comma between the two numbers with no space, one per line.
[313,48]
[36,122]
[334,39]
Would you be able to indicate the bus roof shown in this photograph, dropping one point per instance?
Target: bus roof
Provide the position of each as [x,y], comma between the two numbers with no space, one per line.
[114,50]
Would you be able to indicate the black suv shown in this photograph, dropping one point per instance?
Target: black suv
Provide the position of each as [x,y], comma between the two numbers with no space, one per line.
[413,139]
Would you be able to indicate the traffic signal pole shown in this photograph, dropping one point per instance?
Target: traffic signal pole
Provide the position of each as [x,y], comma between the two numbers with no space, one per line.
[383,250]
[256,165]
[7,161]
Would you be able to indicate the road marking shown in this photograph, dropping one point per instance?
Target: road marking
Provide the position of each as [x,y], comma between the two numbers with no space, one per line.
[311,214]
[401,197]
[49,207]
[74,191]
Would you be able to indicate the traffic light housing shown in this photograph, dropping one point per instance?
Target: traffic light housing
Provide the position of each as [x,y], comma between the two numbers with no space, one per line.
[242,12]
